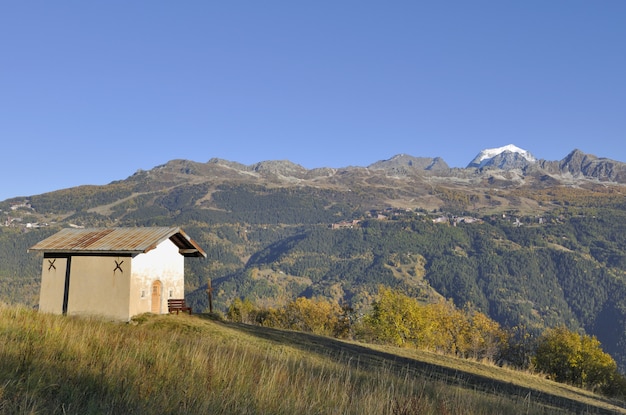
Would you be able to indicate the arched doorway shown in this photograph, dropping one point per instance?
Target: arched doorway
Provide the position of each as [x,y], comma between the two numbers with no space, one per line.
[156,297]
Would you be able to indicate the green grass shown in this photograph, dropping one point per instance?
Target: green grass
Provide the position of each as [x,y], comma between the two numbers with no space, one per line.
[194,365]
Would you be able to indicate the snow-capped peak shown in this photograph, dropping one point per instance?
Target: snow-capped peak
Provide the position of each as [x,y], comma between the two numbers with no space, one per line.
[486,156]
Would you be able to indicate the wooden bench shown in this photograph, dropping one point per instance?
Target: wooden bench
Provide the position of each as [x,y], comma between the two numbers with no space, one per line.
[177,304]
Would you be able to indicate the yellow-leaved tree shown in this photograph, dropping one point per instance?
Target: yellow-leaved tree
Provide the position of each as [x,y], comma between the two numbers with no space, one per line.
[403,321]
[396,319]
[312,315]
[577,359]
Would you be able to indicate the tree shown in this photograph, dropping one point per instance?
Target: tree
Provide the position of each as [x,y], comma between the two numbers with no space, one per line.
[395,318]
[241,311]
[403,321]
[486,339]
[577,359]
[312,315]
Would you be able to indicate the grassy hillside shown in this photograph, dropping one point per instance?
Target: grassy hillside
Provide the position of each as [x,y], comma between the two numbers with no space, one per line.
[192,364]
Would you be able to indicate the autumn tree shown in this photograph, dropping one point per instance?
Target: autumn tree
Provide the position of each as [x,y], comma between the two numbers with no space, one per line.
[312,315]
[395,319]
[403,321]
[302,314]
[242,311]
[484,338]
[577,359]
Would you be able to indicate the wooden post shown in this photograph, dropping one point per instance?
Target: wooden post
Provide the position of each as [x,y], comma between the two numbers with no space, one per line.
[209,292]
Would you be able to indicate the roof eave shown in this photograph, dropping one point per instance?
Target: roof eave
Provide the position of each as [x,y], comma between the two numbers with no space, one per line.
[192,253]
[85,252]
[190,248]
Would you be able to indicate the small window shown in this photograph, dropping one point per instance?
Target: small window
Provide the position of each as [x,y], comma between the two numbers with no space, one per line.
[171,293]
[143,293]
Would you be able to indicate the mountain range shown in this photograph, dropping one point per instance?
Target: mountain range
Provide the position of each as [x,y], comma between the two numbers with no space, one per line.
[510,158]
[576,165]
[532,243]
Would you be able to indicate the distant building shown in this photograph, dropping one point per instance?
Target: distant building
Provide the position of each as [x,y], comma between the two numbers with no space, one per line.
[466,219]
[115,273]
[345,224]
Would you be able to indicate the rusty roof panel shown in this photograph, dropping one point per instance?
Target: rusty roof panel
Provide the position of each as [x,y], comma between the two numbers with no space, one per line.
[117,240]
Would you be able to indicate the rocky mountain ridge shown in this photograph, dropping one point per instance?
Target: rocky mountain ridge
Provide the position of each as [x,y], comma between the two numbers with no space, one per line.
[522,166]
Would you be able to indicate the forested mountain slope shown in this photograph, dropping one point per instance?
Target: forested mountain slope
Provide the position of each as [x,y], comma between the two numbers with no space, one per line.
[539,246]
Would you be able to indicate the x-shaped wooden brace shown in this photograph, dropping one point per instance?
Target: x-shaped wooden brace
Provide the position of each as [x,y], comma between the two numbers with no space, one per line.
[51,264]
[118,266]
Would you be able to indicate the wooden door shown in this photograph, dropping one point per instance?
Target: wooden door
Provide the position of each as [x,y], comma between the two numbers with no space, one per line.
[156,297]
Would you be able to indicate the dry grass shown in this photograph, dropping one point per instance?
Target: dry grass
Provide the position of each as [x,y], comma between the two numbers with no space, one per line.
[191,364]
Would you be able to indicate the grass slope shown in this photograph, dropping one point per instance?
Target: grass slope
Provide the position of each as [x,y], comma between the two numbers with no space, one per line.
[192,364]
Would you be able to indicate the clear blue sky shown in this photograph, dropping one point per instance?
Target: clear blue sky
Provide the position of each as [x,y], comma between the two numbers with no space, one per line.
[92,91]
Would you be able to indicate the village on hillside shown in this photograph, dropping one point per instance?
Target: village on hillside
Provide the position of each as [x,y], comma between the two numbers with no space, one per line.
[436,217]
[14,218]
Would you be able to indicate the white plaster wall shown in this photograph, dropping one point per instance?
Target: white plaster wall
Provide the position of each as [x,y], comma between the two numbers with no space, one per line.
[52,285]
[165,264]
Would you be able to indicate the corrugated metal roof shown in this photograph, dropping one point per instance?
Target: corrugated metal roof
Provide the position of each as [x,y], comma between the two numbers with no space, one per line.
[117,240]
